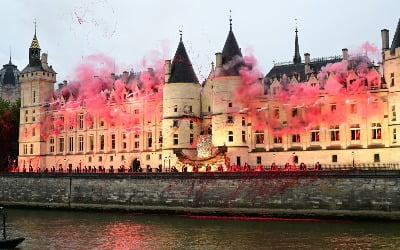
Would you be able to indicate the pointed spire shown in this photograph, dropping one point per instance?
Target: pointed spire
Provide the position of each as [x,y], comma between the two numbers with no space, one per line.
[181,68]
[35,42]
[297,57]
[396,39]
[231,47]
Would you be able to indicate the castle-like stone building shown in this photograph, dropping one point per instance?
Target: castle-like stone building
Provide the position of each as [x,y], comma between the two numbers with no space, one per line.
[205,123]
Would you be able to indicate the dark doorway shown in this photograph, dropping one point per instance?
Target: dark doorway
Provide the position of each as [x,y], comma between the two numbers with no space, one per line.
[238,161]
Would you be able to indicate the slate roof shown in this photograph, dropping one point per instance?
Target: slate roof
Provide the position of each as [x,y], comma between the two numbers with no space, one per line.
[181,68]
[231,51]
[9,74]
[396,39]
[36,64]
[290,69]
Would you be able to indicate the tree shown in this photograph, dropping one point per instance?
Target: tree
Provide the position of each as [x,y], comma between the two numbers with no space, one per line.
[9,130]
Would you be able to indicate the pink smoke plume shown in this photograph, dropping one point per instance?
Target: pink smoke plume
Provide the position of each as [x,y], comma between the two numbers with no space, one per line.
[98,94]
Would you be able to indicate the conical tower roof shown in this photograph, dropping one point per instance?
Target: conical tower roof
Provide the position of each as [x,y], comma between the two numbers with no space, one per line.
[35,42]
[181,68]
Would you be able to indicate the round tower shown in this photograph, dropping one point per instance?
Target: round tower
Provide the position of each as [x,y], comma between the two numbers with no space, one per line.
[229,121]
[181,107]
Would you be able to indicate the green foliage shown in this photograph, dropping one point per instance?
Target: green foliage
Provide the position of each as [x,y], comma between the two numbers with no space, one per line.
[9,128]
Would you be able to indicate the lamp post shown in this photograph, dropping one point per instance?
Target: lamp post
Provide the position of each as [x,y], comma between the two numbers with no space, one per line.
[353,158]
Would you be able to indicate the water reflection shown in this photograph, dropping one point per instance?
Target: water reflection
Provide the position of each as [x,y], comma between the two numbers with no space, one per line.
[49,229]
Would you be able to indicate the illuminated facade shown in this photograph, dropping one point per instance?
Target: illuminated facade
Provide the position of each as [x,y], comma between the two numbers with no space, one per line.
[254,130]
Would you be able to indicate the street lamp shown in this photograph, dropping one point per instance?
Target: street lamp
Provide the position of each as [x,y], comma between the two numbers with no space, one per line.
[353,157]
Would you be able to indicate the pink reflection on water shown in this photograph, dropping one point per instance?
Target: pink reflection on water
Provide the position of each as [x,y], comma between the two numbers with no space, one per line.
[124,236]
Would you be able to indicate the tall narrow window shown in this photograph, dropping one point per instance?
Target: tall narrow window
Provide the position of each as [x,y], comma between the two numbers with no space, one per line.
[376,131]
[149,139]
[175,139]
[33,115]
[394,134]
[315,134]
[229,119]
[80,139]
[391,79]
[34,96]
[190,124]
[113,141]
[101,142]
[191,138]
[80,121]
[137,141]
[25,149]
[259,137]
[160,138]
[355,132]
[243,136]
[230,136]
[91,142]
[334,131]
[61,144]
[71,144]
[243,121]
[31,149]
[51,144]
[33,132]
[175,123]
[26,115]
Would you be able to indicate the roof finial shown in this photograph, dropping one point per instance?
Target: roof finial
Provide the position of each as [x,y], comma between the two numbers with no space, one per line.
[10,56]
[295,20]
[180,35]
[230,19]
[35,23]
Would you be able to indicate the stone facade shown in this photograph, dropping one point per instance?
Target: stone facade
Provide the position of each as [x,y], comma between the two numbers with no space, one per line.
[359,194]
[189,109]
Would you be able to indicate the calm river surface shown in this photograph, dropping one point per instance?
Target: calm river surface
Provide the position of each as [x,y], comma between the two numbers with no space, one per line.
[53,229]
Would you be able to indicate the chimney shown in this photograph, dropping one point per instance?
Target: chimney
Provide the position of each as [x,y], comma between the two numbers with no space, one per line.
[125,76]
[307,58]
[385,39]
[44,60]
[345,54]
[218,59]
[307,62]
[167,69]
[65,83]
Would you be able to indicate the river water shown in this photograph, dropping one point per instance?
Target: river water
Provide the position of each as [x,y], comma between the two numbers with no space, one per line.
[55,229]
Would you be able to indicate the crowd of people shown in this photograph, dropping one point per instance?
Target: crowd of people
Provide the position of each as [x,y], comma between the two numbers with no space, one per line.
[136,168]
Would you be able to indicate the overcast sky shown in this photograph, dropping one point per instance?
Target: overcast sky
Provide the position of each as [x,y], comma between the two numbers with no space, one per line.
[129,31]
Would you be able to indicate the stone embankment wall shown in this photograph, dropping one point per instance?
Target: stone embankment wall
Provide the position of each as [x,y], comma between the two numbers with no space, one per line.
[358,194]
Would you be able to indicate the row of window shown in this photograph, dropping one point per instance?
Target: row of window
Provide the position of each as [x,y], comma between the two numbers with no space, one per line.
[91,142]
[334,132]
